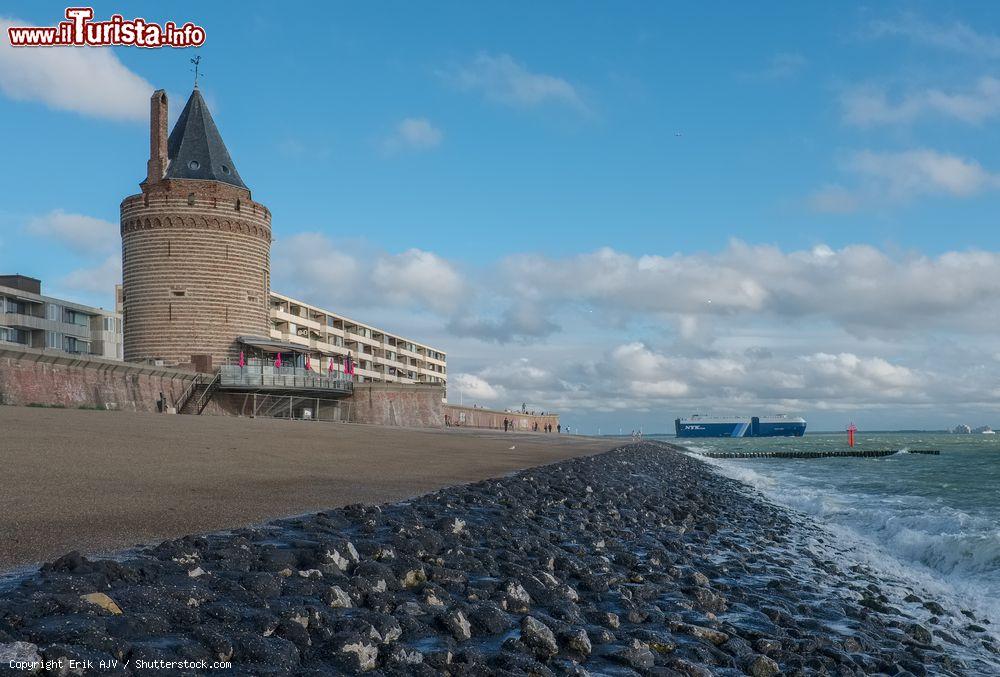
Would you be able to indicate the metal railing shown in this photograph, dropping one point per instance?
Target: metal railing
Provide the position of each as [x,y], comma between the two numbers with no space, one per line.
[206,395]
[254,376]
[186,395]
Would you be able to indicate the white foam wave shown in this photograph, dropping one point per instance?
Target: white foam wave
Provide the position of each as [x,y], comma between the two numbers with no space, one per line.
[943,549]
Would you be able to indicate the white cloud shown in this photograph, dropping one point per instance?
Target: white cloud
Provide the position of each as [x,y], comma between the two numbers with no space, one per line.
[475,388]
[635,377]
[100,279]
[956,36]
[896,177]
[413,134]
[869,106]
[79,233]
[502,79]
[319,270]
[418,276]
[521,321]
[857,287]
[87,80]
[837,334]
[846,370]
[915,172]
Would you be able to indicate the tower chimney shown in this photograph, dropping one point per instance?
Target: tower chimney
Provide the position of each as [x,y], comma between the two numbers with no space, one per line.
[157,165]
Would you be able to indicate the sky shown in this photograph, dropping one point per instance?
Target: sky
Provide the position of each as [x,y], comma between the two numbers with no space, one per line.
[624,213]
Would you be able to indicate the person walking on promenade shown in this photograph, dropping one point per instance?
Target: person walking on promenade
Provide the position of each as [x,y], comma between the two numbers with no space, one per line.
[559,428]
[506,424]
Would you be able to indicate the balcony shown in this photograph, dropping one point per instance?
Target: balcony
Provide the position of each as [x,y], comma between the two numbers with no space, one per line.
[268,378]
[298,320]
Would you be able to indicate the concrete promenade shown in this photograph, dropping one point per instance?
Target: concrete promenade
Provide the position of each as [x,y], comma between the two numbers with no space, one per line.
[99,481]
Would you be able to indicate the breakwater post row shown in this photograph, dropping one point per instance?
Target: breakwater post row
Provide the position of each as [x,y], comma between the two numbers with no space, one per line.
[857,453]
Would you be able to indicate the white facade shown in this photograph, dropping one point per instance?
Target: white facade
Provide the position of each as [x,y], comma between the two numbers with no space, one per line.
[378,355]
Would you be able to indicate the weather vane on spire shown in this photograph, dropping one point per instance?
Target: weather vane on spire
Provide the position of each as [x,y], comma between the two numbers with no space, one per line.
[196,61]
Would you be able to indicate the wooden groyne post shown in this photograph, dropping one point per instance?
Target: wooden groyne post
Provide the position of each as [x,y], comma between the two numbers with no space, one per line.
[855,453]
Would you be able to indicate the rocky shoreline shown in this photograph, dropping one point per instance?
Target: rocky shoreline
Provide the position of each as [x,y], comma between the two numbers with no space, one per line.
[641,560]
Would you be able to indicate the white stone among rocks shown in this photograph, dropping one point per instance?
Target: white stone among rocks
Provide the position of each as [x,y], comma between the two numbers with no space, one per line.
[340,600]
[367,654]
[21,653]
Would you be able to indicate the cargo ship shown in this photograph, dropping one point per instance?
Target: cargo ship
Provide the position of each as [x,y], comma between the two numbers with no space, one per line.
[780,425]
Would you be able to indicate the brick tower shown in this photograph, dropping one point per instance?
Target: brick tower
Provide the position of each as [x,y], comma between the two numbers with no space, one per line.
[195,247]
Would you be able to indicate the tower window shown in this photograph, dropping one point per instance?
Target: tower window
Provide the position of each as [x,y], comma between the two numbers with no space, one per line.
[237,204]
[194,165]
[177,292]
[225,169]
[190,199]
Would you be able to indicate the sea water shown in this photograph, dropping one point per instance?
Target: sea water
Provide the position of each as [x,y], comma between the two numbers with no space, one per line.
[932,520]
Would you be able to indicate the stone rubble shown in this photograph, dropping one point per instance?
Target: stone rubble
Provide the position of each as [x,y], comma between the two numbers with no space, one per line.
[640,561]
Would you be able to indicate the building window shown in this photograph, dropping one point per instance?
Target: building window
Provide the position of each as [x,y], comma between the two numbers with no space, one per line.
[178,292]
[19,307]
[77,318]
[74,345]
[190,199]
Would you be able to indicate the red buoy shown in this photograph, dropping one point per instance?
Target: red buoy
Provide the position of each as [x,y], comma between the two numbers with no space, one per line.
[851,429]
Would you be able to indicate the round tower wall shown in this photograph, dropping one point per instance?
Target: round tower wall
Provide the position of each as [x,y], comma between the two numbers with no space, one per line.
[195,271]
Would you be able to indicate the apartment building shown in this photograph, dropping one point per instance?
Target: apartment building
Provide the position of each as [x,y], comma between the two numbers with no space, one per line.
[34,321]
[377,354]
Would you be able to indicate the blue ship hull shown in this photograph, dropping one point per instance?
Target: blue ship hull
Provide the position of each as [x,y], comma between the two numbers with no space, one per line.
[740,428]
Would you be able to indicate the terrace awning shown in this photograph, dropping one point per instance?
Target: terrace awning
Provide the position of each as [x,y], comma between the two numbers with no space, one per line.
[26,299]
[272,346]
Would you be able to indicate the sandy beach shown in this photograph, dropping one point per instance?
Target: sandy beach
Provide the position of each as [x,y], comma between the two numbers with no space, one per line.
[638,561]
[98,481]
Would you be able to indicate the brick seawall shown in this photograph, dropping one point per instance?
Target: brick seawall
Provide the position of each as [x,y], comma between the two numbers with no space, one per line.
[474,417]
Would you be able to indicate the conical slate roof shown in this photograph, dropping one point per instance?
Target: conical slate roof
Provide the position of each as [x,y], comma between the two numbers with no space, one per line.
[195,147]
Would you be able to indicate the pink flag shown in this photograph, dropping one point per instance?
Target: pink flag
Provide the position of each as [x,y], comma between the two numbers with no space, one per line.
[308,363]
[277,361]
[243,361]
[330,368]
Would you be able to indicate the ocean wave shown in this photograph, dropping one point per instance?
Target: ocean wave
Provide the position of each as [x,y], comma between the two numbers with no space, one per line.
[943,549]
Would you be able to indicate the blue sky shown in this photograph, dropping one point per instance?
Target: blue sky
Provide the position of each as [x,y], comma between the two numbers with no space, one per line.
[555,194]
